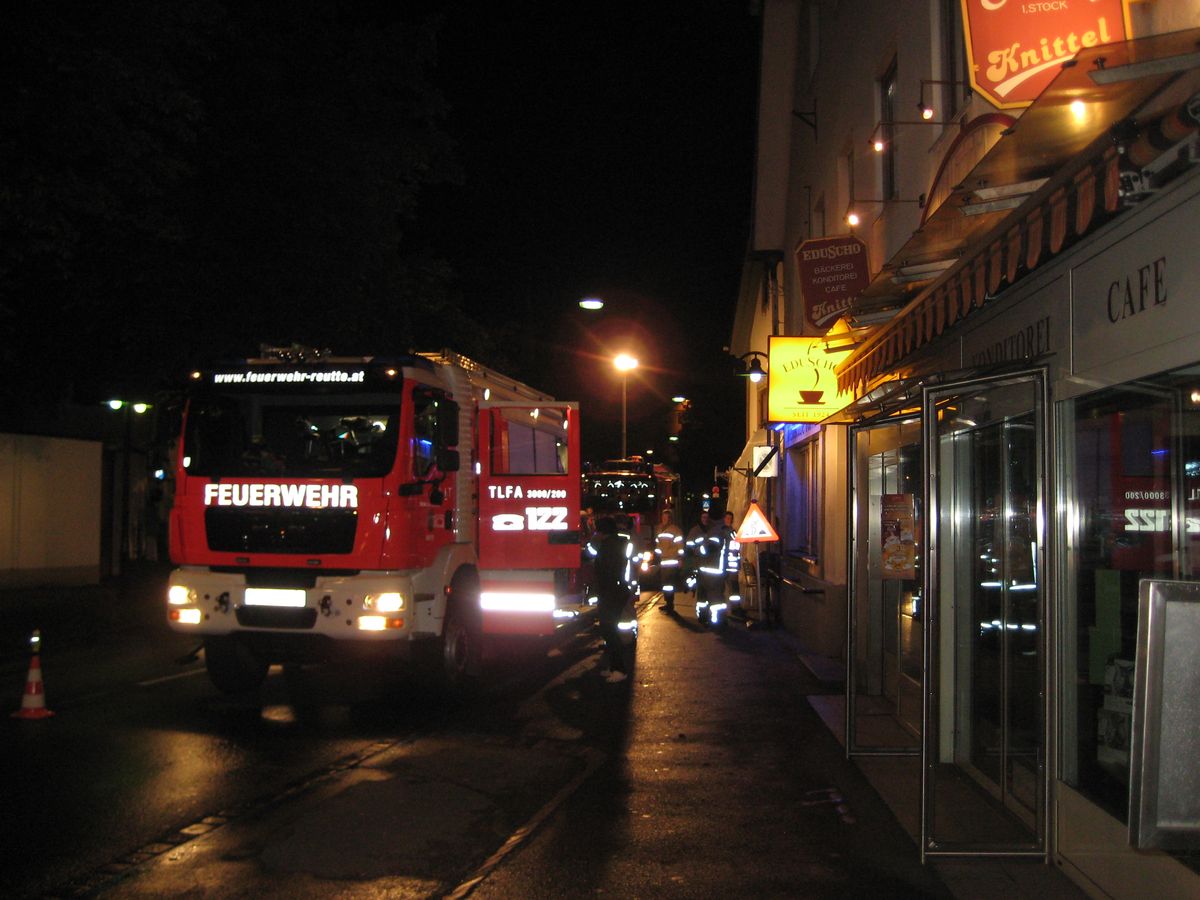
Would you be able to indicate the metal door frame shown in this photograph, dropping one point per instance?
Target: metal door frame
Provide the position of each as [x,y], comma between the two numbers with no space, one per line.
[932,598]
[894,420]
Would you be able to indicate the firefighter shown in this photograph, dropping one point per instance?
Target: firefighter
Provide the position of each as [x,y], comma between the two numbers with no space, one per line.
[613,561]
[707,547]
[732,555]
[668,549]
[627,531]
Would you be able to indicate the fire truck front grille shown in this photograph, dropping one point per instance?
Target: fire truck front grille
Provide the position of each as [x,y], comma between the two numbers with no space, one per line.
[280,531]
[268,617]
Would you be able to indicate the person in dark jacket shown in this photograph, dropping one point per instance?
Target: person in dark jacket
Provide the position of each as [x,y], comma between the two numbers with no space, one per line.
[612,555]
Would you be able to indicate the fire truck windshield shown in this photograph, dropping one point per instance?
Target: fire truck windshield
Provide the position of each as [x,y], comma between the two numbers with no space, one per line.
[274,434]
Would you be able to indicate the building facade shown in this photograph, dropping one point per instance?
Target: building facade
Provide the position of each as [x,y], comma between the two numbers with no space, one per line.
[992,534]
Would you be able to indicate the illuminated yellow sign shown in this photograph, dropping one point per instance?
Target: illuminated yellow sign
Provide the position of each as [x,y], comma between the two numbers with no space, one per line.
[802,380]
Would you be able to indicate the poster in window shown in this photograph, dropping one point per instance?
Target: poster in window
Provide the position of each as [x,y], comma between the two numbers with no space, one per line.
[896,530]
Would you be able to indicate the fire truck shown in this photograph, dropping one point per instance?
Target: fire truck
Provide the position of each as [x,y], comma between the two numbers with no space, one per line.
[422,507]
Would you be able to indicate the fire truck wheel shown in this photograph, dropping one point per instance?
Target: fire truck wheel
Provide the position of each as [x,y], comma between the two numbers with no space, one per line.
[462,637]
[232,668]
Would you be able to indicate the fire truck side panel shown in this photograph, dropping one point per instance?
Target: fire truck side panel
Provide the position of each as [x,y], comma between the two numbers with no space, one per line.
[529,487]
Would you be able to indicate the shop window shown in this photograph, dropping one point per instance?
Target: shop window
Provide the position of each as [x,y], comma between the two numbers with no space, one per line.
[1132,489]
[802,501]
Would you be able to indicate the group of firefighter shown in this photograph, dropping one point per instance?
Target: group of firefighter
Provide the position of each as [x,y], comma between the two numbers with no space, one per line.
[705,563]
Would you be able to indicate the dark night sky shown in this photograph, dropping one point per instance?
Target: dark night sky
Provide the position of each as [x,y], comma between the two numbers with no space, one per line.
[608,150]
[180,182]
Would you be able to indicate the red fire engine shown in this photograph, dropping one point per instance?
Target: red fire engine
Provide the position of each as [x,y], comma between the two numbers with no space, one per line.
[370,505]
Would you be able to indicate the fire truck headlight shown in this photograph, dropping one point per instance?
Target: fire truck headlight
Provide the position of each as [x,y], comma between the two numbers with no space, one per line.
[379,623]
[180,595]
[186,616]
[387,602]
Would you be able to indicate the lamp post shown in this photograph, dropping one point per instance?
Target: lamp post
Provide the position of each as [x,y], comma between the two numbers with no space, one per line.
[124,498]
[624,364]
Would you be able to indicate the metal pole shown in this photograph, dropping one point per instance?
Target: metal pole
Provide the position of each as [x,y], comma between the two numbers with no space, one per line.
[624,398]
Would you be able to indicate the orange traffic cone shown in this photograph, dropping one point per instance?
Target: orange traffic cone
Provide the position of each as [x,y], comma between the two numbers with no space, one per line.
[33,701]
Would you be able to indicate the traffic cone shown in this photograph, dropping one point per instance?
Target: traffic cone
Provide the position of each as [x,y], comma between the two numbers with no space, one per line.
[33,701]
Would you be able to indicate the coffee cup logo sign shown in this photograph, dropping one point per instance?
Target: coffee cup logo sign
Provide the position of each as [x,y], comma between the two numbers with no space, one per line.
[1016,47]
[802,380]
[833,271]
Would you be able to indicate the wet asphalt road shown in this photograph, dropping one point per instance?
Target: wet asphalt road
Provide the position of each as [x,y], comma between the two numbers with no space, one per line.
[707,773]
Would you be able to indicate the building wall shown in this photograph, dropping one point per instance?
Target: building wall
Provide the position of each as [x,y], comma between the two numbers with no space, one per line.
[849,46]
[776,102]
[50,510]
[839,52]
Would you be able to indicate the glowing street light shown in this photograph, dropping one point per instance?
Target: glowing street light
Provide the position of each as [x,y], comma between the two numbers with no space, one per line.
[624,364]
[591,303]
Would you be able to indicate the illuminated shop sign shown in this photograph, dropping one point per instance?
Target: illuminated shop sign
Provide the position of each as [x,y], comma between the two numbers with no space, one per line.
[1016,47]
[833,271]
[802,380]
[311,496]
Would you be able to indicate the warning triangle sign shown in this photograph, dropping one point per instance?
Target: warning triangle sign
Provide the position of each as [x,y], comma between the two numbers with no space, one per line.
[755,528]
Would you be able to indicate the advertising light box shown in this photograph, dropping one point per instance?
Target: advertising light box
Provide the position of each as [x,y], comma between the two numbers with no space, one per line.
[802,380]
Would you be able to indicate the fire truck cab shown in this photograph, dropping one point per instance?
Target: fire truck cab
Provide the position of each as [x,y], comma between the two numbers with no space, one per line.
[327,506]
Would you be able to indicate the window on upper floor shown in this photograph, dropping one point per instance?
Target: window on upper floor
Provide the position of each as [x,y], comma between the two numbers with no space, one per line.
[887,115]
[848,175]
[953,60]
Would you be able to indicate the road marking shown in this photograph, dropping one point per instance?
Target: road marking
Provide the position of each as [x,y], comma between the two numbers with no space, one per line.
[594,759]
[150,682]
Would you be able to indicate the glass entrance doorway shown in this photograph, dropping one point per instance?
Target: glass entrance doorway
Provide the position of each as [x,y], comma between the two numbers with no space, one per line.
[883,685]
[984,736]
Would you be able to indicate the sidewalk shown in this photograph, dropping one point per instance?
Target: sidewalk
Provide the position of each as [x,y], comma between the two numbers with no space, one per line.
[897,780]
[71,618]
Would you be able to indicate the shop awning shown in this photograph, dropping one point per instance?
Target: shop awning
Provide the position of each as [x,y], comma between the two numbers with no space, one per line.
[1048,179]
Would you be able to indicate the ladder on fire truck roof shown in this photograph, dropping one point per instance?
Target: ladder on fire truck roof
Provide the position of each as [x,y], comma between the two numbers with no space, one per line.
[483,374]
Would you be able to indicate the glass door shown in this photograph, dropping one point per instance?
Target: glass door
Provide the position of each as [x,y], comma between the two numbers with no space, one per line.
[885,638]
[985,717]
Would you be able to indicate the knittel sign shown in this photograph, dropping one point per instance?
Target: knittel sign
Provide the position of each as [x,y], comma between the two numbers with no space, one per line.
[1016,47]
[833,271]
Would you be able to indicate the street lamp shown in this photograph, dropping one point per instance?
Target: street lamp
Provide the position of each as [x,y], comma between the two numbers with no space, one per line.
[624,364]
[754,370]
